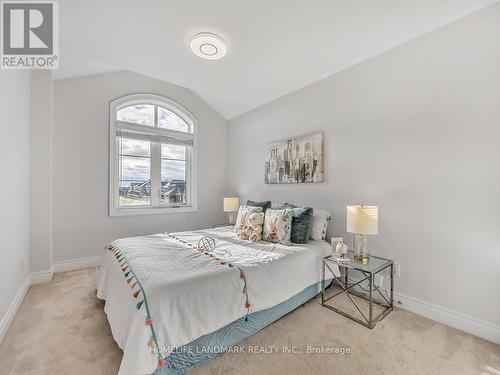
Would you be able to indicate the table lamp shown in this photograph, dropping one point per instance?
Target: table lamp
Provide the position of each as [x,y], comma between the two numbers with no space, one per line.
[231,205]
[362,221]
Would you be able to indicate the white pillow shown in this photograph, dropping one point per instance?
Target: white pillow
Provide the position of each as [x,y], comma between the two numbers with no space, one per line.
[243,213]
[278,226]
[320,224]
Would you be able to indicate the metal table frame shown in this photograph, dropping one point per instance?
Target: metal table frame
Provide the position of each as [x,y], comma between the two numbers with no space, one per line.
[347,288]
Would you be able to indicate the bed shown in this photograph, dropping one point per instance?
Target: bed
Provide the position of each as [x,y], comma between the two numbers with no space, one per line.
[172,306]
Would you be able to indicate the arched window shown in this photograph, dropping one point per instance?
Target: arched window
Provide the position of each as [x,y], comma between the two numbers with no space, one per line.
[152,156]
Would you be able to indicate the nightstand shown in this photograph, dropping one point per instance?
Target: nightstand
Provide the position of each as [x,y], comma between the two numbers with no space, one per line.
[358,282]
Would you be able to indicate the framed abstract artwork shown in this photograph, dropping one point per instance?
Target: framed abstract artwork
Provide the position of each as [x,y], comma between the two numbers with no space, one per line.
[295,160]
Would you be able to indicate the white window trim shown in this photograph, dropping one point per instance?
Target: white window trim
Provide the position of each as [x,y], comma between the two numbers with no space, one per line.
[191,178]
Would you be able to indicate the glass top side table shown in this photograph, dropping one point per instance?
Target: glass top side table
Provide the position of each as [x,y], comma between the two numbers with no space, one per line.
[366,272]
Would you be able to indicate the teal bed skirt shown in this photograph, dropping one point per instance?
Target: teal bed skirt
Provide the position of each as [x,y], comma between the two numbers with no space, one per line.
[209,346]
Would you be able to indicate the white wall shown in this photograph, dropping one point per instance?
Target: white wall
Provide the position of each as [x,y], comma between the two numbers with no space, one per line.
[81,225]
[41,172]
[15,183]
[415,131]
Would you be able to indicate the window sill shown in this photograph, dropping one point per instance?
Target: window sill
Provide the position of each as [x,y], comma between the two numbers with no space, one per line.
[151,211]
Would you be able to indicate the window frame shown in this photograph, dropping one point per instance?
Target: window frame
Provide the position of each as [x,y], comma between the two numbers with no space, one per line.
[155,206]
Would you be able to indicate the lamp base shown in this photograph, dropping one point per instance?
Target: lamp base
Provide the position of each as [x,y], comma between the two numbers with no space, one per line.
[361,248]
[231,218]
[361,258]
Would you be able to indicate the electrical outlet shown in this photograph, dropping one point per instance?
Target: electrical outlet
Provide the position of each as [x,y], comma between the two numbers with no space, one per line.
[397,270]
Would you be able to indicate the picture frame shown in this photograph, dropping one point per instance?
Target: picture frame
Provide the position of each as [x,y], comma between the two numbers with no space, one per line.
[295,160]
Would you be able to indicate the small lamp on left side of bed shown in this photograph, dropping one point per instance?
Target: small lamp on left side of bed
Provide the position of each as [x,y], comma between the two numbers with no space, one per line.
[231,205]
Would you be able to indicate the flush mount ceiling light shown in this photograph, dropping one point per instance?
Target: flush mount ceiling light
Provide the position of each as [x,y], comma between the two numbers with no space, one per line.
[208,46]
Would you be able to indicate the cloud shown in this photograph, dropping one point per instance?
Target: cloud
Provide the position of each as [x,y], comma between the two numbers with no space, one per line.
[173,152]
[170,120]
[173,170]
[135,169]
[139,114]
[134,147]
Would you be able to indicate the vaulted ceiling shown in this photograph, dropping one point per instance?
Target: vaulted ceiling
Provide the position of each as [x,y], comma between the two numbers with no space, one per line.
[274,46]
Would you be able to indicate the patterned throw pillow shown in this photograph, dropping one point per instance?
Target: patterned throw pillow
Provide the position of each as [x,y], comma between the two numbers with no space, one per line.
[243,213]
[278,226]
[320,224]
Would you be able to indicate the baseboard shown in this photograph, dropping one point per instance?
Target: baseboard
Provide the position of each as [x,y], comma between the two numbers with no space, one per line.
[462,322]
[12,310]
[40,277]
[469,324]
[76,264]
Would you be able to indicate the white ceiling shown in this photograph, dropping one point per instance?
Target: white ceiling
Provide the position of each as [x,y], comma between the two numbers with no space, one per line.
[274,47]
[72,65]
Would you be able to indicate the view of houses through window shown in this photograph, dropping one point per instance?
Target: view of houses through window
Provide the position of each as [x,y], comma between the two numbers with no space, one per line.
[173,174]
[135,173]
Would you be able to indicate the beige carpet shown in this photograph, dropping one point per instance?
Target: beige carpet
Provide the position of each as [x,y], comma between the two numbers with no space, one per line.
[61,329]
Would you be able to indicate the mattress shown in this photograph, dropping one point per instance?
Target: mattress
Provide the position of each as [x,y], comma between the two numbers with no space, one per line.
[174,293]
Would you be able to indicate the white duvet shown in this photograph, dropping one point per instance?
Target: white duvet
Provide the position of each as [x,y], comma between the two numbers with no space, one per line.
[191,294]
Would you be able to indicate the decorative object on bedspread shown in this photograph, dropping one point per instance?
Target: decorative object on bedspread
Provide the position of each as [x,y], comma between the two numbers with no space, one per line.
[295,160]
[253,228]
[278,226]
[206,243]
[243,214]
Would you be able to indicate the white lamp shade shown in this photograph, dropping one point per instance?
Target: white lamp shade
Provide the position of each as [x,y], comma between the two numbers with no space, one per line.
[231,204]
[362,219]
